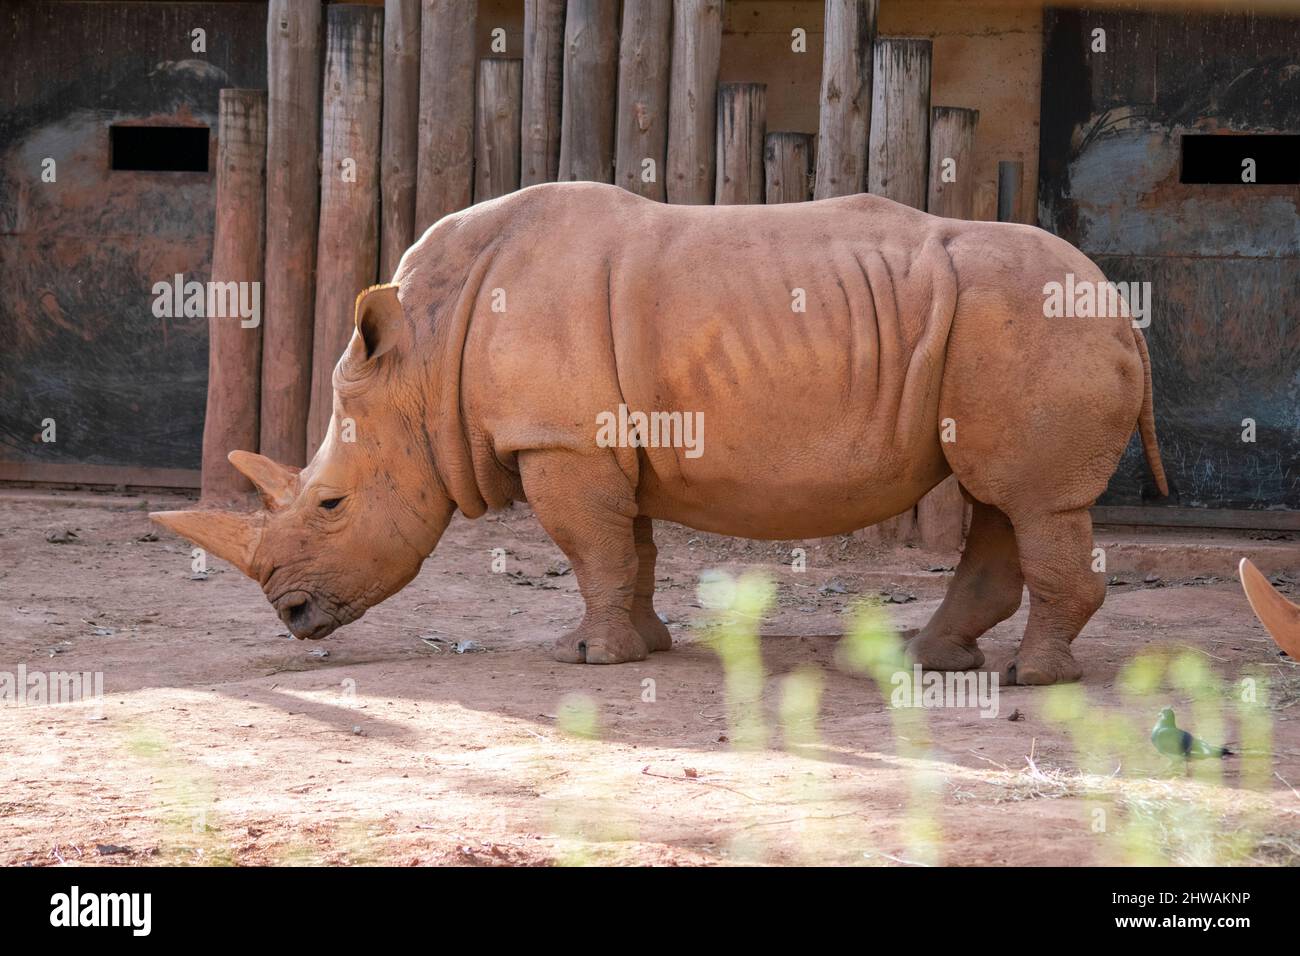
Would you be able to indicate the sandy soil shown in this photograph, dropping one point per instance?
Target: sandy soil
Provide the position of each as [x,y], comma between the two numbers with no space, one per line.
[222,740]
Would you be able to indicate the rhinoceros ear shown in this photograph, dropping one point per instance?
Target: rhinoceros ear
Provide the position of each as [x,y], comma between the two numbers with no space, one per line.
[1279,616]
[227,534]
[277,484]
[380,322]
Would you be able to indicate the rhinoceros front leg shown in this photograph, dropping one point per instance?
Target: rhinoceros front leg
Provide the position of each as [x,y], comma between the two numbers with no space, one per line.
[588,508]
[644,618]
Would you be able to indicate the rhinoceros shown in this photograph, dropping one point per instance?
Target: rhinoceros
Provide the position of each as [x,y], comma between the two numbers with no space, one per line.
[841,358]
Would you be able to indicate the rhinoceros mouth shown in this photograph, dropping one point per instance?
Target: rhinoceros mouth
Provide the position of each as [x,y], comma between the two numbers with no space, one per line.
[308,617]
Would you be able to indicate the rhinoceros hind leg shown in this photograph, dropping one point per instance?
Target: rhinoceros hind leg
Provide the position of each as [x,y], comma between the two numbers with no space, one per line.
[985,591]
[644,619]
[1064,592]
[587,507]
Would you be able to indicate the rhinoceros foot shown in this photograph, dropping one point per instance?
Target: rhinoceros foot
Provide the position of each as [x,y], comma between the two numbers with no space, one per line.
[651,629]
[936,651]
[604,642]
[1042,665]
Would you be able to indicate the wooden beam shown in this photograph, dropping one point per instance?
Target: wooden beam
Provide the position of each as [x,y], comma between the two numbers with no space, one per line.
[642,118]
[951,189]
[898,158]
[543,91]
[401,130]
[590,85]
[692,100]
[50,473]
[1011,186]
[898,167]
[787,165]
[293,70]
[742,124]
[1197,518]
[496,153]
[941,514]
[846,102]
[238,247]
[348,246]
[445,166]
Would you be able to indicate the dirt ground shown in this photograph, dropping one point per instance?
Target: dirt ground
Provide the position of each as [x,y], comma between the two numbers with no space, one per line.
[222,740]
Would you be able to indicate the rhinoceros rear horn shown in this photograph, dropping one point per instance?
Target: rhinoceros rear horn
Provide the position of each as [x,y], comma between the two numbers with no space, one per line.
[277,484]
[230,535]
[1279,616]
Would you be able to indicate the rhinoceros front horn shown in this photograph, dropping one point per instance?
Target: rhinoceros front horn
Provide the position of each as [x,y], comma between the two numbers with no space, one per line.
[227,534]
[276,484]
[1279,616]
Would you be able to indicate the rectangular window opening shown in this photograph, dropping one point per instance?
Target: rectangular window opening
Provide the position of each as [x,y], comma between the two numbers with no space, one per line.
[1240,159]
[182,149]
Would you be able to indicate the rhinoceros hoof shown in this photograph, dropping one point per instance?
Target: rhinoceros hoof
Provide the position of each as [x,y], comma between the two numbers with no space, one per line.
[604,643]
[652,630]
[1057,667]
[936,652]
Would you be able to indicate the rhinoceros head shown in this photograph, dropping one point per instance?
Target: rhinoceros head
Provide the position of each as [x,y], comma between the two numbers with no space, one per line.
[353,526]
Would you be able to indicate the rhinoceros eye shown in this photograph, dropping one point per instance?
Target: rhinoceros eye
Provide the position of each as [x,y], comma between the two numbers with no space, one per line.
[329,504]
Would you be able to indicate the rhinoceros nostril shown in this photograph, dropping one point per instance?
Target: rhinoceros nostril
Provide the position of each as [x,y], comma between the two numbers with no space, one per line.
[295,614]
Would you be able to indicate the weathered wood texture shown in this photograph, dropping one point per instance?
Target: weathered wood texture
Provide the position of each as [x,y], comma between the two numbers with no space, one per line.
[941,514]
[951,190]
[238,247]
[692,100]
[788,167]
[293,50]
[496,150]
[645,49]
[445,166]
[846,100]
[898,166]
[543,91]
[590,84]
[1011,188]
[348,247]
[400,150]
[742,124]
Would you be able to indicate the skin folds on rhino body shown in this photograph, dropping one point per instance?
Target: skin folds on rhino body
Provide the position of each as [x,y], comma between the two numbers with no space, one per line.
[821,344]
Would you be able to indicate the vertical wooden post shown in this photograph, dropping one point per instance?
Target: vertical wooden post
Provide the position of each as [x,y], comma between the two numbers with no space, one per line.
[496,151]
[845,114]
[643,97]
[543,77]
[445,166]
[400,131]
[590,82]
[952,162]
[742,124]
[348,246]
[898,156]
[1011,184]
[787,161]
[788,167]
[900,120]
[692,100]
[293,64]
[939,515]
[238,245]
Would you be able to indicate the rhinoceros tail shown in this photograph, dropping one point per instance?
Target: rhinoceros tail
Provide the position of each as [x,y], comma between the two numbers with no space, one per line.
[1147,418]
